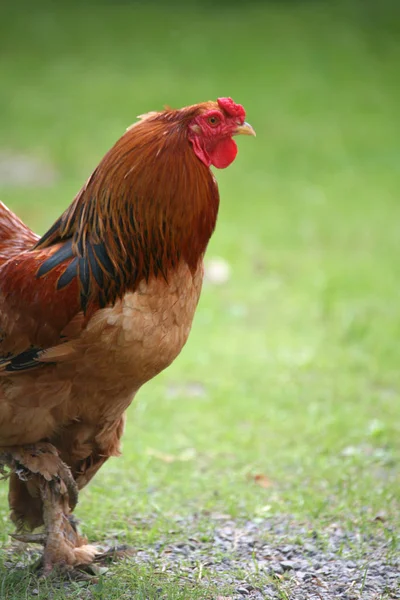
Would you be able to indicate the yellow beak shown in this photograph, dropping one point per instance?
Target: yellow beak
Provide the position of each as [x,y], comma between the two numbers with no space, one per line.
[245,129]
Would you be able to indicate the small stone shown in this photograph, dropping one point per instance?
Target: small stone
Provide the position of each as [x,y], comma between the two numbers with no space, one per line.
[276,568]
[309,548]
[392,575]
[287,549]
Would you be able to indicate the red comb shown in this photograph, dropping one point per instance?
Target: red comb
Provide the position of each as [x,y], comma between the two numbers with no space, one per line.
[233,110]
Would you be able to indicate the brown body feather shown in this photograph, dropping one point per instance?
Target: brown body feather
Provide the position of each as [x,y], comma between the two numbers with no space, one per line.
[15,236]
[104,301]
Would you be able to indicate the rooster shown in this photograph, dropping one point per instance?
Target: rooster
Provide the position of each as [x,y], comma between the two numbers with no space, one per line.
[99,305]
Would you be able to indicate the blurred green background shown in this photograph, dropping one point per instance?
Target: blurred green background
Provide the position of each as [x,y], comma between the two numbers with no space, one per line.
[292,368]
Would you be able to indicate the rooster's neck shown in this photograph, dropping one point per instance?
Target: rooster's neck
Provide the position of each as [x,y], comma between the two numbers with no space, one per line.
[148,206]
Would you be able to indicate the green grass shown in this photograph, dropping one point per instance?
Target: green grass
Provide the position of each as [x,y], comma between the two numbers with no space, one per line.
[298,353]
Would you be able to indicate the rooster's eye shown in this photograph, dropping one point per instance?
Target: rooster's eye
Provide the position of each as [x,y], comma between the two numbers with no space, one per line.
[214,120]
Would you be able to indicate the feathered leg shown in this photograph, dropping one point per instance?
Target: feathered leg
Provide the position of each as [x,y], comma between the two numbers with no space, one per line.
[63,546]
[49,483]
[39,459]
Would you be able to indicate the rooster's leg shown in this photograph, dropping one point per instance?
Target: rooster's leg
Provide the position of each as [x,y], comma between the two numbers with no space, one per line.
[63,545]
[41,467]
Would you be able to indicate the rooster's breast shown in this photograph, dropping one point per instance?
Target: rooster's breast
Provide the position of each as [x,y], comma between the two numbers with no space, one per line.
[141,335]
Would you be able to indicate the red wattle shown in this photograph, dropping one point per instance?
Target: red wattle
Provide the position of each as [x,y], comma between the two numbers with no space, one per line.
[223,153]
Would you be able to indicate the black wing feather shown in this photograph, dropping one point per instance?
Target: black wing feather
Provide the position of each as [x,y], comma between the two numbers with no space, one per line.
[95,267]
[61,255]
[69,274]
[23,361]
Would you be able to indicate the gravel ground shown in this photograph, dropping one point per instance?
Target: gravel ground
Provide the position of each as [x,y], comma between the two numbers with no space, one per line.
[271,558]
[282,560]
